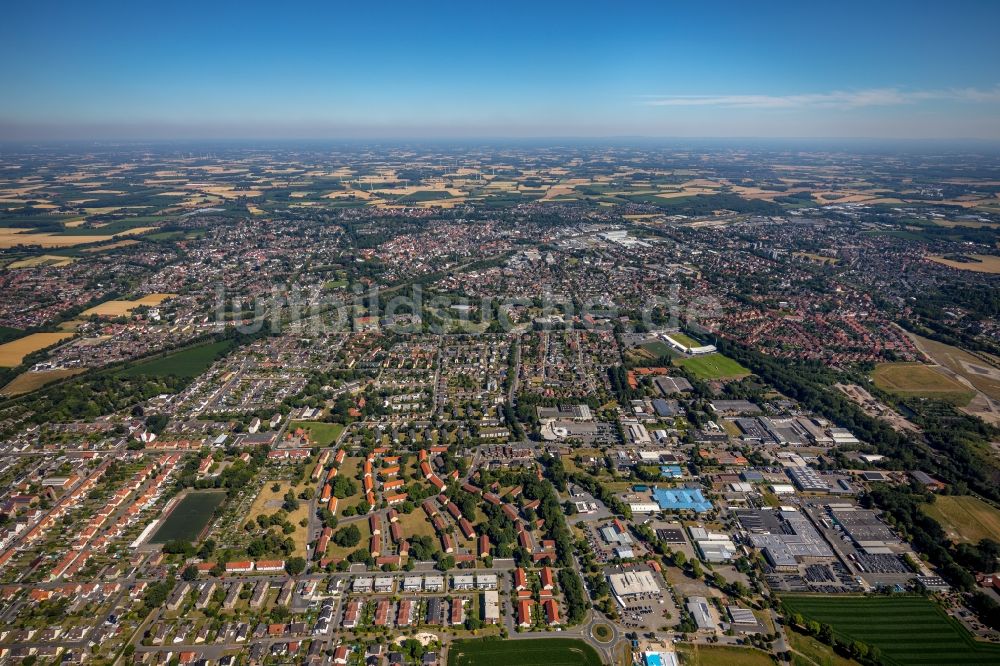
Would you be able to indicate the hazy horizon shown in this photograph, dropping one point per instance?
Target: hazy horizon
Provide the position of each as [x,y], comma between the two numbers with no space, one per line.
[120,71]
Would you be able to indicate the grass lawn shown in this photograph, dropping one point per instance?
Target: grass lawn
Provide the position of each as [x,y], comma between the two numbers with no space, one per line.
[907,630]
[810,652]
[269,501]
[713,366]
[916,379]
[189,362]
[979,373]
[349,468]
[415,523]
[333,550]
[721,655]
[321,434]
[534,652]
[965,518]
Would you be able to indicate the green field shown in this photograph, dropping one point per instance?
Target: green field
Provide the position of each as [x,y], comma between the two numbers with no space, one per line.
[965,518]
[810,652]
[907,630]
[321,434]
[918,380]
[535,652]
[720,655]
[189,362]
[713,366]
[657,348]
[424,195]
[190,517]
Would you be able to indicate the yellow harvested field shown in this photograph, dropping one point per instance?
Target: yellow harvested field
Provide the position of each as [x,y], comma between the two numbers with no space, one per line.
[987,263]
[559,191]
[26,382]
[348,194]
[12,237]
[42,260]
[702,182]
[110,246]
[12,353]
[122,308]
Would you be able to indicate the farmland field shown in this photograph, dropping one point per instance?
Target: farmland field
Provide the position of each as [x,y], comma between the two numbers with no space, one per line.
[713,366]
[26,382]
[13,353]
[916,379]
[122,308]
[53,260]
[965,518]
[190,517]
[189,362]
[906,630]
[535,652]
[321,434]
[984,264]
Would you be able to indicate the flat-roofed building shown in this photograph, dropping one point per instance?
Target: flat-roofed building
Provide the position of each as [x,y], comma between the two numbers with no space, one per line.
[633,583]
[491,607]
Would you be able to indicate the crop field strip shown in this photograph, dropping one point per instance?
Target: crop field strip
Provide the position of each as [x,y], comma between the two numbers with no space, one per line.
[537,652]
[907,630]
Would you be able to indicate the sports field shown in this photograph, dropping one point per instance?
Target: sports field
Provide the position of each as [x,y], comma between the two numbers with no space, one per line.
[685,340]
[713,366]
[907,631]
[189,362]
[721,655]
[919,380]
[965,518]
[190,517]
[12,353]
[535,652]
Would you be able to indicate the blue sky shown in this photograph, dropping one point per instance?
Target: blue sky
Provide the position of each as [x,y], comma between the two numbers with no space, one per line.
[436,69]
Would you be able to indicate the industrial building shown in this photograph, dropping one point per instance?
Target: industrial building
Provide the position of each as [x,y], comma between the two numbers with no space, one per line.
[633,583]
[681,499]
[701,613]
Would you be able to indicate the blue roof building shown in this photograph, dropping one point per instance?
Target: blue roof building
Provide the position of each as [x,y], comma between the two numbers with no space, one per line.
[671,471]
[680,499]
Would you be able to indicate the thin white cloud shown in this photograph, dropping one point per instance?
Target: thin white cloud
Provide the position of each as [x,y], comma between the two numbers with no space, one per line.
[839,99]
